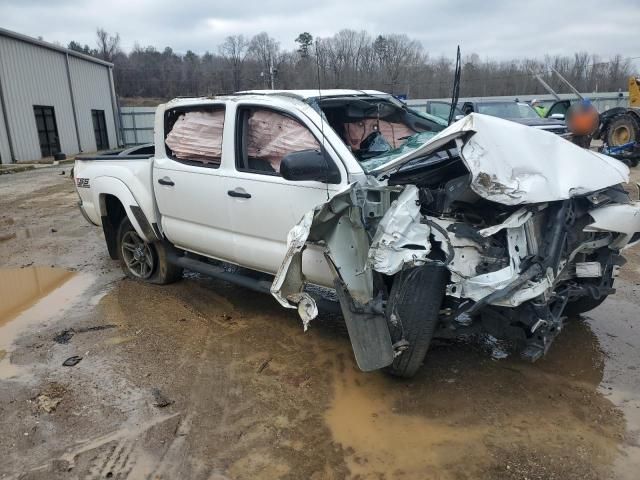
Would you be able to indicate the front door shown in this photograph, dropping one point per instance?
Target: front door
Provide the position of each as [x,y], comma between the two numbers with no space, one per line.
[264,205]
[47,130]
[189,181]
[100,129]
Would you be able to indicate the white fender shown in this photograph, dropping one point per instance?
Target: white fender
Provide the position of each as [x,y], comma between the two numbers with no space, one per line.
[102,186]
[619,218]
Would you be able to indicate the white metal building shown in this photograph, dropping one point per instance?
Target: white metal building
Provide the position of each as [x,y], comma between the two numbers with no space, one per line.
[53,100]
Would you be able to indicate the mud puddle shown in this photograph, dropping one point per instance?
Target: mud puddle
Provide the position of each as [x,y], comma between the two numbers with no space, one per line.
[616,324]
[467,416]
[30,298]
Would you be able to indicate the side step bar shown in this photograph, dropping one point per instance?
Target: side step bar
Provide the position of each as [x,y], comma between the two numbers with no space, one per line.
[257,285]
[215,271]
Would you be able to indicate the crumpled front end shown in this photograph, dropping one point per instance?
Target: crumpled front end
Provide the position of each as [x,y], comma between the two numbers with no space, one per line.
[514,267]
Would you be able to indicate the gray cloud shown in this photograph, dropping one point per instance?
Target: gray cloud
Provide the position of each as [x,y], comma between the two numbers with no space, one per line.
[498,29]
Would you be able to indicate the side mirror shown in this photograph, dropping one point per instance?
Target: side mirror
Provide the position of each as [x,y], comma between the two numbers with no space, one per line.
[458,117]
[309,165]
[557,116]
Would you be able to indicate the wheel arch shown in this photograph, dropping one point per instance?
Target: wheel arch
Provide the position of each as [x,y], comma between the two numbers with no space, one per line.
[115,201]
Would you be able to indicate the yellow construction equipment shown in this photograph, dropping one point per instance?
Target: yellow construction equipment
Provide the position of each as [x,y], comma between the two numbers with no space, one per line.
[634,92]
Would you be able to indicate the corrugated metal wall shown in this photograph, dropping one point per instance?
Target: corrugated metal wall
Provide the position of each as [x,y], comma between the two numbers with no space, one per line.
[5,151]
[91,91]
[33,75]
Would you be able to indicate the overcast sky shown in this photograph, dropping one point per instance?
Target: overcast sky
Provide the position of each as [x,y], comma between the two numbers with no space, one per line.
[498,29]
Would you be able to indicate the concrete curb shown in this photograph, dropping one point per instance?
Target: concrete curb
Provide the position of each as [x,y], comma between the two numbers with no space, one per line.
[15,169]
[23,167]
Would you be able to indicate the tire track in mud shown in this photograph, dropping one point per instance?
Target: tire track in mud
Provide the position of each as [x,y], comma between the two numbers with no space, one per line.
[174,460]
[177,460]
[115,462]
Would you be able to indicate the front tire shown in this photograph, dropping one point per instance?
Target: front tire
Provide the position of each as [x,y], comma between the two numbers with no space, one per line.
[144,261]
[416,297]
[582,305]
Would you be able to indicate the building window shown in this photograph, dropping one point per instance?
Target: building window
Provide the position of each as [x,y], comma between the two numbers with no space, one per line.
[47,130]
[100,129]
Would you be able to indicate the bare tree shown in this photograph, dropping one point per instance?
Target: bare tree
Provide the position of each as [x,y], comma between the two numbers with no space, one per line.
[265,50]
[108,45]
[347,59]
[234,50]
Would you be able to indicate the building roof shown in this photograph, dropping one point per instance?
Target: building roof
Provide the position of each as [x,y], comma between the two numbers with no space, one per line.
[50,46]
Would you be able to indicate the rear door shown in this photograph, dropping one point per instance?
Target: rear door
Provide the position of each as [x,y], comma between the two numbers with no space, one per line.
[189,179]
[263,205]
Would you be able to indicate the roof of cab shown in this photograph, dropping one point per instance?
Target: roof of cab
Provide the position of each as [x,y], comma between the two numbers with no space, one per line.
[305,94]
[296,95]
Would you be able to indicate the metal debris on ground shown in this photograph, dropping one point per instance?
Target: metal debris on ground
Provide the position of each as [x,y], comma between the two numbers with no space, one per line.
[66,335]
[264,365]
[72,361]
[161,400]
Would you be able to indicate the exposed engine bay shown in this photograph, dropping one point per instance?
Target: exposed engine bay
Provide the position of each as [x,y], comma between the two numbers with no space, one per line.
[525,239]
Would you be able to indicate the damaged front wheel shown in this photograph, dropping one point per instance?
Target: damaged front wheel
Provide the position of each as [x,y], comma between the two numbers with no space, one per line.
[413,309]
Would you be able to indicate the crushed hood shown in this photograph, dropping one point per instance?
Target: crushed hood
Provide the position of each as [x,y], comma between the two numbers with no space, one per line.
[514,164]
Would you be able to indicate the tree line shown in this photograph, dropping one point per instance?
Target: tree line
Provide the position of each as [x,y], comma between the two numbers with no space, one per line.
[392,63]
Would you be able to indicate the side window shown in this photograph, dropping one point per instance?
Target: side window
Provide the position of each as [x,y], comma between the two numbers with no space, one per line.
[265,137]
[558,107]
[441,109]
[194,135]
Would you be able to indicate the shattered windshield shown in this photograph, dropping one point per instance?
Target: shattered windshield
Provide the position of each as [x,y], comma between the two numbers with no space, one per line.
[377,128]
[412,143]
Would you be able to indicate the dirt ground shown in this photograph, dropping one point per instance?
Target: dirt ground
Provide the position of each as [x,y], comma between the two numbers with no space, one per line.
[204,380]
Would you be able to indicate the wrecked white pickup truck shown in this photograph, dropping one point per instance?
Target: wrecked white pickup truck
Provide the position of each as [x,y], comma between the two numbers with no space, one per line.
[421,230]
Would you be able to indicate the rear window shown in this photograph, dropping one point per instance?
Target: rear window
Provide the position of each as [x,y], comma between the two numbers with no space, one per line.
[194,136]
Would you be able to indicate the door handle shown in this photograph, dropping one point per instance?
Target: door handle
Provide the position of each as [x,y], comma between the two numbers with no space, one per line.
[166,181]
[237,194]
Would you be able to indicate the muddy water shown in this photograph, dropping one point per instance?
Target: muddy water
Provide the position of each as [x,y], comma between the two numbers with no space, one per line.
[21,287]
[31,297]
[616,324]
[385,442]
[466,416]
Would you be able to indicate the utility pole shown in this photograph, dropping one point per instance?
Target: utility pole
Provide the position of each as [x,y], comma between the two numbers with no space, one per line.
[272,74]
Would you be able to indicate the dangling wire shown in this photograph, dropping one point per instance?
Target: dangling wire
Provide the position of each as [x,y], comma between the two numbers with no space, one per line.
[456,88]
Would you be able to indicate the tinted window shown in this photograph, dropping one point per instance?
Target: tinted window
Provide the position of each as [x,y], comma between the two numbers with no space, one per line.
[441,109]
[507,110]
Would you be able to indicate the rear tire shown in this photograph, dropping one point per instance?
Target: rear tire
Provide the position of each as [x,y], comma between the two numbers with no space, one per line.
[623,129]
[416,296]
[144,261]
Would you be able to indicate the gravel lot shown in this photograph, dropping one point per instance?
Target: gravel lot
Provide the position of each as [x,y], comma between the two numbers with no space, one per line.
[204,380]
